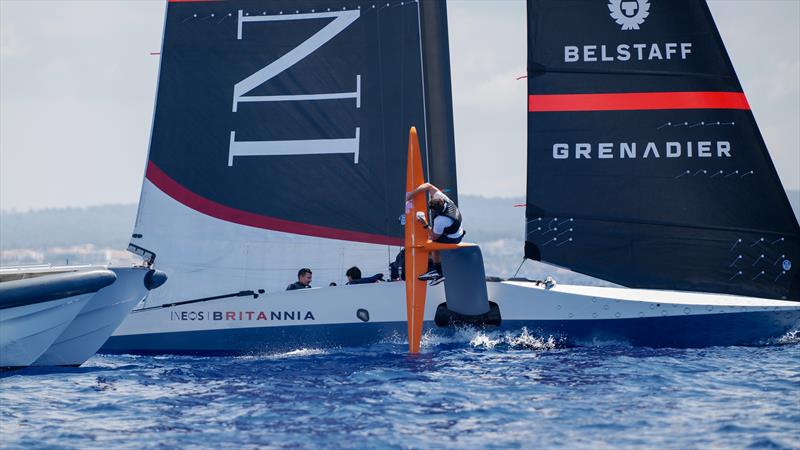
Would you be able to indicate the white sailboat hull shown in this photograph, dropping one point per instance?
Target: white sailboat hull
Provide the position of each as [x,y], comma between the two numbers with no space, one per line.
[327,317]
[26,332]
[104,312]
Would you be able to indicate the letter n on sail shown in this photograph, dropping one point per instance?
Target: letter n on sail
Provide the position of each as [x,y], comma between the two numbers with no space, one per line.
[236,149]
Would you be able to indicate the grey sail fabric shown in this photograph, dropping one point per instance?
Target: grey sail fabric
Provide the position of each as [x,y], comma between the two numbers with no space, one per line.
[645,164]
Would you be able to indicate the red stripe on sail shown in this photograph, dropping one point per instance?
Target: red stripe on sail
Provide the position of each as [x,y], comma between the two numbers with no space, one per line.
[637,101]
[211,208]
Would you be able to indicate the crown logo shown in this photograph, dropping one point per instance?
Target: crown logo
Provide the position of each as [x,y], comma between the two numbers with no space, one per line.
[629,13]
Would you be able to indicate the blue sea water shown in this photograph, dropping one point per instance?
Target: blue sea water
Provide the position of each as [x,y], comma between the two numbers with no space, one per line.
[470,390]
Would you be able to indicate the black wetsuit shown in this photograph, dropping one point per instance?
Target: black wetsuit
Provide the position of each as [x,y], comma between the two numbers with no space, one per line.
[297,285]
[373,279]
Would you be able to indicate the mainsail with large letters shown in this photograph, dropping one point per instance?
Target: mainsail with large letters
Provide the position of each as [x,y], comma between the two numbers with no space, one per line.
[279,139]
[645,164]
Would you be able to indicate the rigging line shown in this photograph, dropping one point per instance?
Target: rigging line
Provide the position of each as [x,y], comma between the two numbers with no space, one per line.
[204,299]
[520,267]
[424,96]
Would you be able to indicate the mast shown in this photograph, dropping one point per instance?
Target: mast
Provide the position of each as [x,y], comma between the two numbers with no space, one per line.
[438,96]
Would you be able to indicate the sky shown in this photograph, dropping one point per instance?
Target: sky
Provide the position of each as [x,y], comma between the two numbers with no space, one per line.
[77,88]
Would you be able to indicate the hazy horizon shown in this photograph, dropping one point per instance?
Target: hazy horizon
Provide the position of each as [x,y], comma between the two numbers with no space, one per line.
[793,194]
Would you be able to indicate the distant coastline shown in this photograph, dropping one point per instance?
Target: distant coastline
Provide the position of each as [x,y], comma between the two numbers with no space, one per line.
[100,234]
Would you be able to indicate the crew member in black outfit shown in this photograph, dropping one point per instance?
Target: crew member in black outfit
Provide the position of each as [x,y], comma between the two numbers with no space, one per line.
[303,280]
[353,275]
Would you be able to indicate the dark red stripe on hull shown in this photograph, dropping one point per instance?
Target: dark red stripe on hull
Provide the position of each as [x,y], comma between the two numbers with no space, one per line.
[211,208]
[637,101]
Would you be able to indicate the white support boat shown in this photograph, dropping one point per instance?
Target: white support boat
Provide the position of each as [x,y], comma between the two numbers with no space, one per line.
[34,312]
[102,311]
[275,167]
[101,316]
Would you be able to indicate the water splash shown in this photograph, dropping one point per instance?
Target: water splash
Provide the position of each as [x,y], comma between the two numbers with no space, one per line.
[486,339]
[791,337]
[297,353]
[523,339]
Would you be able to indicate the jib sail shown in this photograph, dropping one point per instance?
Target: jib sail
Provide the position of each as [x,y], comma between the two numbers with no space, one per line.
[279,141]
[645,165]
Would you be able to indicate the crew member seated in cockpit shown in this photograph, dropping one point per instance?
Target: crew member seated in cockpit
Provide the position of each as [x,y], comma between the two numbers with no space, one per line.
[303,280]
[446,226]
[353,275]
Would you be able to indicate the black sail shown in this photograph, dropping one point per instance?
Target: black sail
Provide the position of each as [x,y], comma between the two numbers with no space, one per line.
[280,138]
[290,115]
[645,164]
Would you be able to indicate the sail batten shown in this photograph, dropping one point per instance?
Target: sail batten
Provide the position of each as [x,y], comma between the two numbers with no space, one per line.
[645,165]
[570,218]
